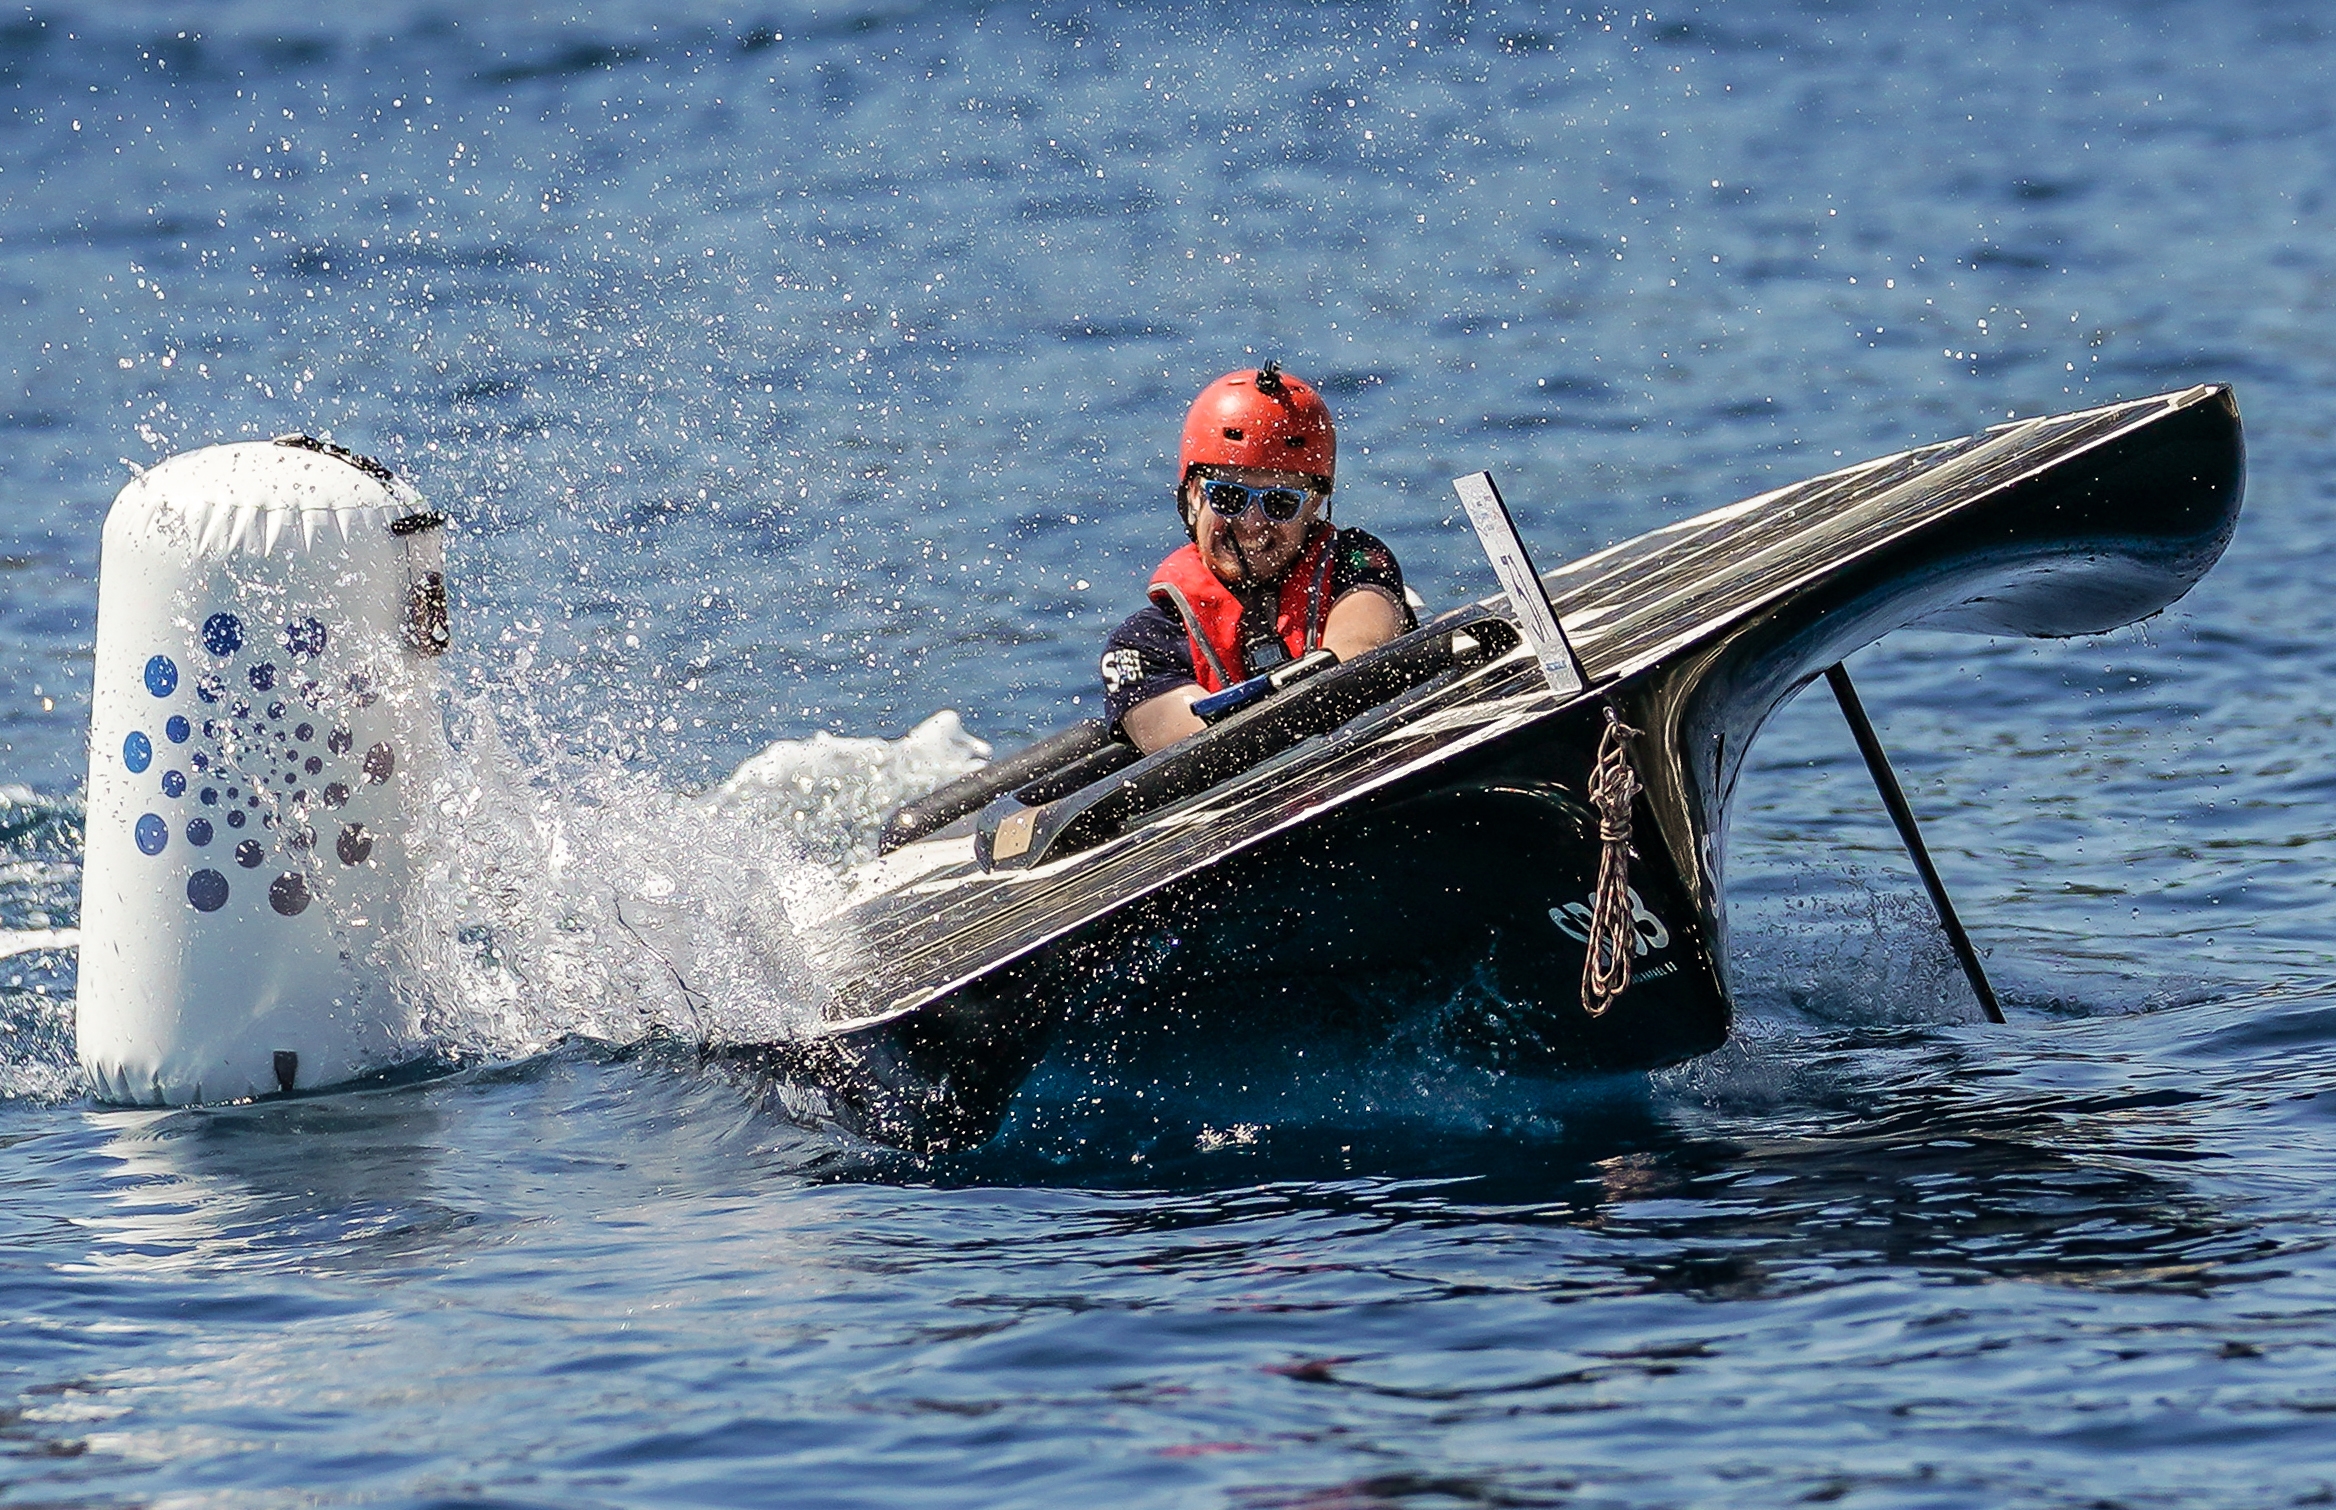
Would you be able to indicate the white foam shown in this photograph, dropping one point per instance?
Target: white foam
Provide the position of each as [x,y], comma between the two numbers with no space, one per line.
[833,793]
[605,905]
[36,940]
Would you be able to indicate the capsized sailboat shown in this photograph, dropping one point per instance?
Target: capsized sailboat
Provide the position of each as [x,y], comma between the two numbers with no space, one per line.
[1428,809]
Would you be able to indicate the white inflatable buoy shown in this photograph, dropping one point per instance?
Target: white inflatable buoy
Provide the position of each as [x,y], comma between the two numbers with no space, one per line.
[265,725]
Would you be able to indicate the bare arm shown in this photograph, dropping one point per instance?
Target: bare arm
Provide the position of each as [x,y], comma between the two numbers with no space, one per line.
[1160,722]
[1366,618]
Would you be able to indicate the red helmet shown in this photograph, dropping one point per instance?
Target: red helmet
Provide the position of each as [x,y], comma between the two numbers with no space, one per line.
[1259,417]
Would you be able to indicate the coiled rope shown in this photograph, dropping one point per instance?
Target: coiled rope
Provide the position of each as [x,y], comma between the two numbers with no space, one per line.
[1613,787]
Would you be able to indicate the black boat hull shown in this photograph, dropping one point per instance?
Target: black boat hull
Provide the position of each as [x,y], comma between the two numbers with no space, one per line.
[1421,811]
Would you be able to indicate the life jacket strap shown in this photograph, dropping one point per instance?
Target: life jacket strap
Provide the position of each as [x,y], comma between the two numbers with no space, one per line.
[1194,628]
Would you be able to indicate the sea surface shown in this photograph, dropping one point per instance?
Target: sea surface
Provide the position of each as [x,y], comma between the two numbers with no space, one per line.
[795,375]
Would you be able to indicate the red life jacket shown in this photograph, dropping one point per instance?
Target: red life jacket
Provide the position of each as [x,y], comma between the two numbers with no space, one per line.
[1211,615]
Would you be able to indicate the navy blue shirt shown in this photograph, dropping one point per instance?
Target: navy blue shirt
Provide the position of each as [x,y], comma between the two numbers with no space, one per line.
[1150,653]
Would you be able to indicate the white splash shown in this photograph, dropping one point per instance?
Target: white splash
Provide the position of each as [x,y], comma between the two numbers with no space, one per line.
[833,793]
[606,906]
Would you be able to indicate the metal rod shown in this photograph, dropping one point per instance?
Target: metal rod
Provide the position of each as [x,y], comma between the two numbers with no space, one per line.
[1886,782]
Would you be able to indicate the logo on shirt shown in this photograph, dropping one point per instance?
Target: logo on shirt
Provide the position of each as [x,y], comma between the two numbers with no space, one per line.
[1121,669]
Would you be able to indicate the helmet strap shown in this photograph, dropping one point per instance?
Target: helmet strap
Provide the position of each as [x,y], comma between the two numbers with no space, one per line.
[1233,538]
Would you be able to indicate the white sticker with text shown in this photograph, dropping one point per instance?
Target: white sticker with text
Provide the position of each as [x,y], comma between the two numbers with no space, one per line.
[1647,930]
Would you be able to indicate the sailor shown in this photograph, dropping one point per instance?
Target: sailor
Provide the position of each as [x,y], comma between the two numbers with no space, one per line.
[1266,577]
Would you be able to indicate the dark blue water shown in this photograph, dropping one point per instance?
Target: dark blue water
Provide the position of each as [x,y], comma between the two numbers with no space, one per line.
[796,373]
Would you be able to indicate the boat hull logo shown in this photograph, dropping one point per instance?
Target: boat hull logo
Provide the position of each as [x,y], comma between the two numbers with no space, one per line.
[1647,931]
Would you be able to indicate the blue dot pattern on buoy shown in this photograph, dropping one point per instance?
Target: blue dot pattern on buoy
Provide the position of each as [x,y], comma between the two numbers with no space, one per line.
[304,637]
[207,891]
[289,894]
[235,732]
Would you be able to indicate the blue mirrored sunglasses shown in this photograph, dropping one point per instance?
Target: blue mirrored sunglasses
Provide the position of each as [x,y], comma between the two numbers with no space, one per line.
[1230,500]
